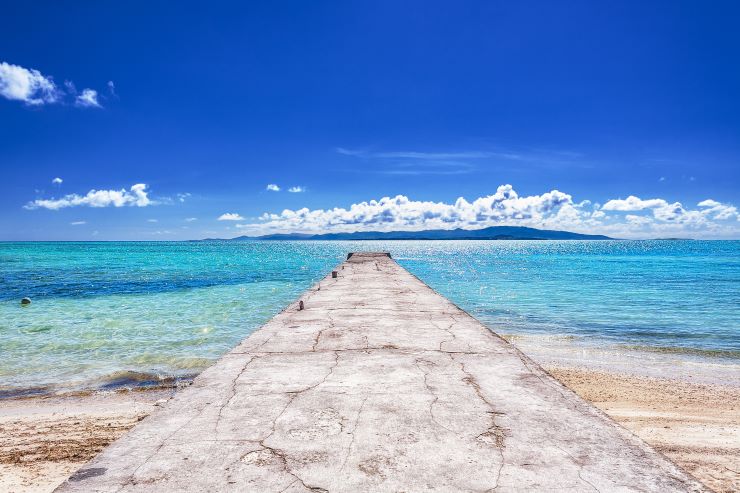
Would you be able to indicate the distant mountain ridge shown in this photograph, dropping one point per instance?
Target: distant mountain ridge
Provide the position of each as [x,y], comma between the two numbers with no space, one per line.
[491,233]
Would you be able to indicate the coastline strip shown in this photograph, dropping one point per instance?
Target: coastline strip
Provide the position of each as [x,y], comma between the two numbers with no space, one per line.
[377,384]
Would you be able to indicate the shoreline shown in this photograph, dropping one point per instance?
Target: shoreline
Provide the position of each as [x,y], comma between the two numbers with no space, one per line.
[553,350]
[162,385]
[697,426]
[683,366]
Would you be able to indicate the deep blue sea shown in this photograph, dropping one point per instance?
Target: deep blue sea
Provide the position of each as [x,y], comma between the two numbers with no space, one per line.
[113,314]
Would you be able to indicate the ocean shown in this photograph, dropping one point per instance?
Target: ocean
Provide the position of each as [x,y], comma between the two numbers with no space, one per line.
[106,315]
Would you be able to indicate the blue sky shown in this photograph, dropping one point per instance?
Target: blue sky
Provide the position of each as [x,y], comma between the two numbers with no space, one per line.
[618,118]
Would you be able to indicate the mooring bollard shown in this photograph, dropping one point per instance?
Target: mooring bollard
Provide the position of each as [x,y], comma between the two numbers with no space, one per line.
[333,274]
[300,305]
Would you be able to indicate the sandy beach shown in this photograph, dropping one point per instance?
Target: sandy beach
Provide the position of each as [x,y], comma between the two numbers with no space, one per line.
[43,440]
[697,426]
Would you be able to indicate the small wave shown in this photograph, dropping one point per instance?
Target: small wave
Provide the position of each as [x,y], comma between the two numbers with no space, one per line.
[134,379]
[11,393]
[725,354]
[116,381]
[539,337]
[707,353]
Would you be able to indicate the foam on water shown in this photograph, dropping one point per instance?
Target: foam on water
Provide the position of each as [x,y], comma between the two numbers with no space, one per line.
[106,315]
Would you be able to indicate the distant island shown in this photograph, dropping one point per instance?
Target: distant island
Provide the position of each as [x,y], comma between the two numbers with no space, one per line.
[492,233]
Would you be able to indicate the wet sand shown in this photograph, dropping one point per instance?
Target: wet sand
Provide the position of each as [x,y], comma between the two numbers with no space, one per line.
[44,440]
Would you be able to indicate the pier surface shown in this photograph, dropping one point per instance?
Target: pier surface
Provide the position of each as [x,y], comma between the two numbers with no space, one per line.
[377,384]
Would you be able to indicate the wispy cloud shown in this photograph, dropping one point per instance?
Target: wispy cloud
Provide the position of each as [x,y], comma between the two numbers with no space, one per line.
[88,98]
[429,168]
[410,162]
[57,181]
[137,196]
[78,223]
[427,155]
[631,217]
[272,187]
[444,155]
[351,152]
[191,219]
[230,216]
[455,162]
[33,88]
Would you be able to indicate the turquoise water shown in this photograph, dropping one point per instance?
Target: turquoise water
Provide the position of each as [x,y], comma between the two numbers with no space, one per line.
[115,314]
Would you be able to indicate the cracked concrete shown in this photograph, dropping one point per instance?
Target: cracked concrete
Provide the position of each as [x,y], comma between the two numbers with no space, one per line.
[378,384]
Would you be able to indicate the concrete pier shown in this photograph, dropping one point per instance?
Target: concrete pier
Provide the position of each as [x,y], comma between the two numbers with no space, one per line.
[378,384]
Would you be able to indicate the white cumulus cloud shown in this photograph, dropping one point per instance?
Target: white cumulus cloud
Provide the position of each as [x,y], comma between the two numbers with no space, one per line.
[632,217]
[718,210]
[400,212]
[297,189]
[27,85]
[272,188]
[661,208]
[633,203]
[35,89]
[57,181]
[137,196]
[664,210]
[637,220]
[230,216]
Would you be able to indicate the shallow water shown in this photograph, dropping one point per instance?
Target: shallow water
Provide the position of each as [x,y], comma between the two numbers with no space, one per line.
[137,313]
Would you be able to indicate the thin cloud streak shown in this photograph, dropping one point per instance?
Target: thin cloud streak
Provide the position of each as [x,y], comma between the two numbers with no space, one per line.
[433,156]
[465,161]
